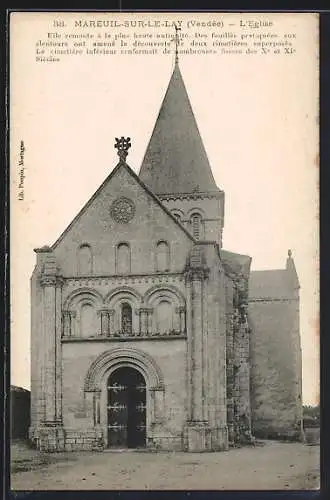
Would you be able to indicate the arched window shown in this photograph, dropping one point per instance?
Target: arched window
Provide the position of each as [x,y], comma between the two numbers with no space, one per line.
[85,260]
[162,256]
[123,258]
[196,224]
[88,320]
[126,319]
[164,317]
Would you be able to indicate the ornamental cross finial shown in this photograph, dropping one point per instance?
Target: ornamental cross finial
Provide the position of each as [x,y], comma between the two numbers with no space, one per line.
[123,146]
[176,39]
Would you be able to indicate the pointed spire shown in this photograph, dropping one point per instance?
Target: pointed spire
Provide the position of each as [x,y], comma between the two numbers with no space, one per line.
[176,39]
[176,160]
[291,268]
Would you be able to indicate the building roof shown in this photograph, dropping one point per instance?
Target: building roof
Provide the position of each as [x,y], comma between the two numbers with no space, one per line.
[269,284]
[274,283]
[121,164]
[175,160]
[236,263]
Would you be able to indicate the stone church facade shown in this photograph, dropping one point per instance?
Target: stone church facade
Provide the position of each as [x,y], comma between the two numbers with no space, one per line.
[145,331]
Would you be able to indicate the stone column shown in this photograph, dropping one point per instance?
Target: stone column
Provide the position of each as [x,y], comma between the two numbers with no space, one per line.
[183,320]
[214,365]
[230,376]
[111,322]
[189,350]
[143,321]
[220,378]
[66,318]
[244,378]
[197,427]
[181,311]
[97,407]
[58,350]
[73,324]
[69,327]
[66,327]
[197,344]
[50,435]
[48,284]
[105,323]
[149,322]
[204,340]
[236,373]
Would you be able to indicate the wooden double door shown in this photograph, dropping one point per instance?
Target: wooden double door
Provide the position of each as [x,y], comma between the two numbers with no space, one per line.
[126,409]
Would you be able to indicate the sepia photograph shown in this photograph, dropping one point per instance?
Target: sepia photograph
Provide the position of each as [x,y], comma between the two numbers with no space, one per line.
[164,251]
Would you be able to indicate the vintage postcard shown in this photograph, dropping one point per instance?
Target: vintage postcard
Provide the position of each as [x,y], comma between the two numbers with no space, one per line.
[164,251]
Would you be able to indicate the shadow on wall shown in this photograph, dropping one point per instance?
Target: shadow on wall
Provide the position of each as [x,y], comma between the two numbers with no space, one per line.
[19,412]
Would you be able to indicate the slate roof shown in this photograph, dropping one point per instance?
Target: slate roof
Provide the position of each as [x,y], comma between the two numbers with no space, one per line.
[121,164]
[175,160]
[273,284]
[236,263]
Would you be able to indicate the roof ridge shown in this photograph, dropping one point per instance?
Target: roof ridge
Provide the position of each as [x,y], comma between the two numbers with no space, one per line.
[106,180]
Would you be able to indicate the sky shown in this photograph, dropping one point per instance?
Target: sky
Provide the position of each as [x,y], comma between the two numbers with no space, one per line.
[258,118]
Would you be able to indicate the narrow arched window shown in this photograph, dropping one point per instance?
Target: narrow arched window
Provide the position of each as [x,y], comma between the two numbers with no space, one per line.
[123,258]
[126,319]
[85,260]
[196,223]
[164,317]
[162,256]
[88,320]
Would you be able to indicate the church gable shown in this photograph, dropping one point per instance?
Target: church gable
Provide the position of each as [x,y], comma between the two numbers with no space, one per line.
[123,229]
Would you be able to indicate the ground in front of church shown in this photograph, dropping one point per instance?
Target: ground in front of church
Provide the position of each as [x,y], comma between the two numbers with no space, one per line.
[269,465]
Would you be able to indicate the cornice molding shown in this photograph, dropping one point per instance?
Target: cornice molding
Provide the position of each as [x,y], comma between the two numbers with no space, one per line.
[191,196]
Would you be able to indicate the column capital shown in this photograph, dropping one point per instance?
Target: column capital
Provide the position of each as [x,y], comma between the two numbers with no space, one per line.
[69,313]
[47,280]
[50,280]
[196,273]
[180,309]
[102,311]
[145,310]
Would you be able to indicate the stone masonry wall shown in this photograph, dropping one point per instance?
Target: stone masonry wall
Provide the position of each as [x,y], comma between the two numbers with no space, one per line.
[275,368]
[96,227]
[166,433]
[238,363]
[216,351]
[210,208]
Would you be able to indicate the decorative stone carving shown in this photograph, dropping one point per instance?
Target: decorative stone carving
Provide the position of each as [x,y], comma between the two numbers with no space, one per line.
[119,280]
[197,274]
[48,280]
[191,196]
[122,145]
[105,321]
[68,326]
[182,318]
[122,210]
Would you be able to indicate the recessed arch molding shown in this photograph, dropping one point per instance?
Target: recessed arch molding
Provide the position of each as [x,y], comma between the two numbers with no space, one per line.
[115,358]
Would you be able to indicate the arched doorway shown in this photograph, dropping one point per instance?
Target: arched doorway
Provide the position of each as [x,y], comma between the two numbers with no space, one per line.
[126,409]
